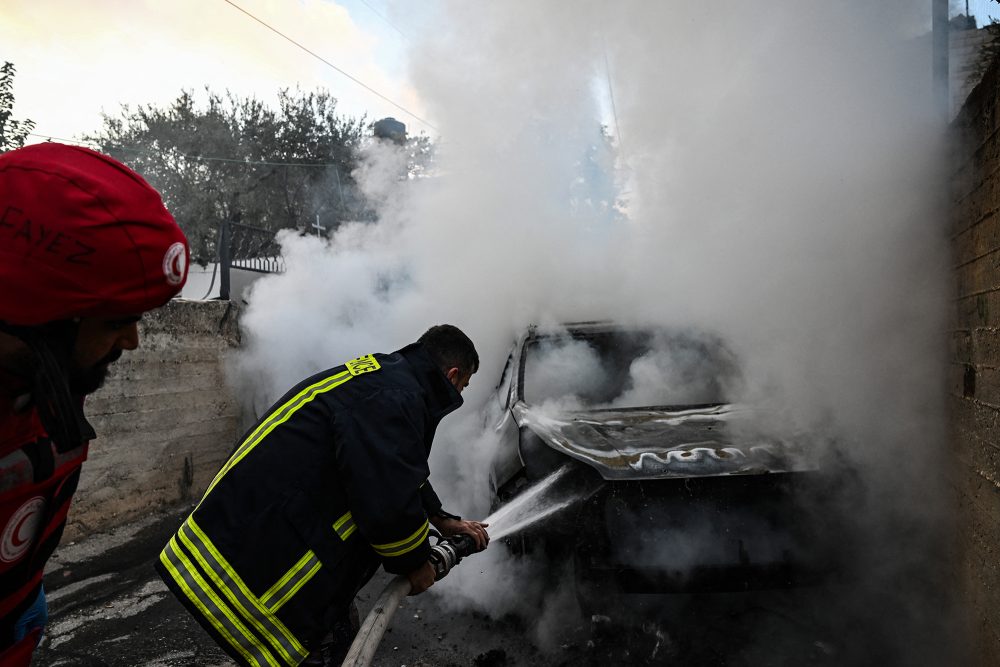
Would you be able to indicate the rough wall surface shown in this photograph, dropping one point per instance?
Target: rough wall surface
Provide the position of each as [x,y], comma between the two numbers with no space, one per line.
[975,358]
[165,419]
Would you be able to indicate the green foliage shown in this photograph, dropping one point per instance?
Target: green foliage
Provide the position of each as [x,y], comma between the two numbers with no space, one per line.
[420,154]
[12,132]
[236,159]
[988,53]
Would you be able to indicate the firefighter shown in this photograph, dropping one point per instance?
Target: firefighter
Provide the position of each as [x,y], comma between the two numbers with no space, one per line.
[328,485]
[86,246]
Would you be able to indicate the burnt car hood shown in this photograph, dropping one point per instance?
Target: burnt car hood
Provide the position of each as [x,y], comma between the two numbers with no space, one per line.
[652,443]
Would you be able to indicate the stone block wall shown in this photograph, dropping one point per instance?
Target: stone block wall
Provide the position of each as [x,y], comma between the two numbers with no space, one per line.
[165,418]
[974,398]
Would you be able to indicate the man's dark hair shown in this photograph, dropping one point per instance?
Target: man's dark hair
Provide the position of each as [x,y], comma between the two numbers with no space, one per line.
[449,347]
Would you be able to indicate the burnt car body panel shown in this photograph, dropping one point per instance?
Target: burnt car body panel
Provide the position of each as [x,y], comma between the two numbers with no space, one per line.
[678,495]
[634,444]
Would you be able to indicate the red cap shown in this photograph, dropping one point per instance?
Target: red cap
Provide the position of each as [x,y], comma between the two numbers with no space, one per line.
[82,235]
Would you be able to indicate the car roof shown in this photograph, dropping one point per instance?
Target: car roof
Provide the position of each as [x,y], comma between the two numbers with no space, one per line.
[578,327]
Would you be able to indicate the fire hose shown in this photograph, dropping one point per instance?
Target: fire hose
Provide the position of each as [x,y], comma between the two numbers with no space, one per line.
[446,554]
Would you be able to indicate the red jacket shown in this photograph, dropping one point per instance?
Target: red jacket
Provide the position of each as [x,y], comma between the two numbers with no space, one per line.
[36,485]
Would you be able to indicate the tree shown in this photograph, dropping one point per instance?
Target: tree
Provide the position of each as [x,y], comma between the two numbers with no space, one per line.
[235,159]
[988,52]
[12,132]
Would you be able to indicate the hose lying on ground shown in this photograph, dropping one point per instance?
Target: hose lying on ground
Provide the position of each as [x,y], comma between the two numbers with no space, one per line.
[446,554]
[370,634]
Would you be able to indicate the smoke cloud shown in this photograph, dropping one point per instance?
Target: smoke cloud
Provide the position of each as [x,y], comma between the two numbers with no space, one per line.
[773,176]
[565,370]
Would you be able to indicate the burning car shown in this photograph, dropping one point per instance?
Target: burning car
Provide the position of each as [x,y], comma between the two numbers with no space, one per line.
[678,487]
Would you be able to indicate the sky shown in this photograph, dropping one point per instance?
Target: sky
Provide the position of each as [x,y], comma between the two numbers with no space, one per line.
[76,60]
[985,11]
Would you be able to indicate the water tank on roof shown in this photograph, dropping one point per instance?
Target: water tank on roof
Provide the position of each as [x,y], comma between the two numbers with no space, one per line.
[391,129]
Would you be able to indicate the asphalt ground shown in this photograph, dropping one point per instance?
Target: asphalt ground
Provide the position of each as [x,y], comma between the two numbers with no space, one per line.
[109,608]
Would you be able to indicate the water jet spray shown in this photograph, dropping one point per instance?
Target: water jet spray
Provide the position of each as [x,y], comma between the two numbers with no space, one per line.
[528,508]
[531,506]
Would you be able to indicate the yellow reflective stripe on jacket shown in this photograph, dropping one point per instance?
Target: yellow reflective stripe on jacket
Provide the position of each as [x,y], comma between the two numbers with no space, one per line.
[403,546]
[242,599]
[253,608]
[278,417]
[307,572]
[344,526]
[266,598]
[291,582]
[212,608]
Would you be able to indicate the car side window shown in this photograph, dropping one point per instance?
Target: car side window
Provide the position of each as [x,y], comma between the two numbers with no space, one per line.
[503,388]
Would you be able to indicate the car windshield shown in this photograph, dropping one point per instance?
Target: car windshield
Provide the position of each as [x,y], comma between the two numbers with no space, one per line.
[628,369]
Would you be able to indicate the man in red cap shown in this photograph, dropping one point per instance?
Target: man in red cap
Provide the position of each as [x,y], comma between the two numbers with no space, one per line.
[86,246]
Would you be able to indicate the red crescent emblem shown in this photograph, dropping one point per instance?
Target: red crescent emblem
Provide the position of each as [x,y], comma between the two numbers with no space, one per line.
[19,533]
[16,539]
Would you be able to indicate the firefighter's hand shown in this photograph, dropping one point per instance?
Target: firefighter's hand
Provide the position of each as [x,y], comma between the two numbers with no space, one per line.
[475,529]
[421,579]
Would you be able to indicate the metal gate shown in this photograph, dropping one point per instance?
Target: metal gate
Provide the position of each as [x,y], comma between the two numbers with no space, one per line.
[248,248]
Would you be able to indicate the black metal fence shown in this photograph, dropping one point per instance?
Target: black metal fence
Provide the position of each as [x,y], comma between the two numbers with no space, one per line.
[247,248]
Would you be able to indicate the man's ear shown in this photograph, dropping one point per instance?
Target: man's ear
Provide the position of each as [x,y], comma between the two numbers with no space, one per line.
[452,374]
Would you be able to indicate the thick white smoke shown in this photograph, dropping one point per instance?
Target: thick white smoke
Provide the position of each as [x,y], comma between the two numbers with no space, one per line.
[777,181]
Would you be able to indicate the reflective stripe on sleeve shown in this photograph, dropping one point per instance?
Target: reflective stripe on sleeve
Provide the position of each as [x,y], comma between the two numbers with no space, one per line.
[291,582]
[239,595]
[344,526]
[212,608]
[278,417]
[403,546]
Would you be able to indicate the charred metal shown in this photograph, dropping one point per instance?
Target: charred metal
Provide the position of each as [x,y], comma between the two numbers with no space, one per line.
[682,494]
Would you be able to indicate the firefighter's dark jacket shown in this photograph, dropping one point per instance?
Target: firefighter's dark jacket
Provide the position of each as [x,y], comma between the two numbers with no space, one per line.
[328,484]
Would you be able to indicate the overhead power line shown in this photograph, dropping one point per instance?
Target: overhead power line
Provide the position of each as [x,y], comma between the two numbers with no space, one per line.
[75,142]
[202,158]
[384,19]
[330,64]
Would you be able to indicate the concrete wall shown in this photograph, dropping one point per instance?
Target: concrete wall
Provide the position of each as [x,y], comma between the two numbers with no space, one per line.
[975,359]
[165,419]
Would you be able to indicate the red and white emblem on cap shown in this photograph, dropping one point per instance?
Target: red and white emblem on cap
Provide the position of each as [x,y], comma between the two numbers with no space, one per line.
[175,264]
[21,528]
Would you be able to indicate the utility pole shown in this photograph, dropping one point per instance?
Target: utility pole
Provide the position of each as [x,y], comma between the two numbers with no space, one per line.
[939,30]
[225,260]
